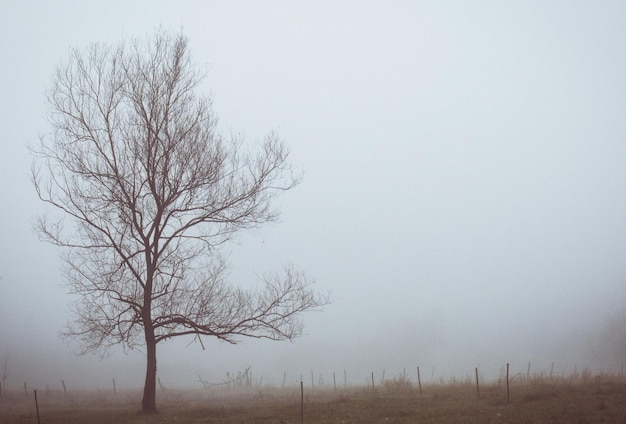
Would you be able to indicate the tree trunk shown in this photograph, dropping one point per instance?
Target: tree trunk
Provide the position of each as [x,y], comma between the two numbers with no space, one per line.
[148,403]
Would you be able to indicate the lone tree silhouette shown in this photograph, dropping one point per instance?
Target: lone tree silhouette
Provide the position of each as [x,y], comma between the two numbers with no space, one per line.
[152,192]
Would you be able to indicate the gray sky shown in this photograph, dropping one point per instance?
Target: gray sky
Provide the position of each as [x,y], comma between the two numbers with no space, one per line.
[464,192]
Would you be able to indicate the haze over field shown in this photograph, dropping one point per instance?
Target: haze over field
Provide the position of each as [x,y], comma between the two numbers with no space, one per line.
[464,190]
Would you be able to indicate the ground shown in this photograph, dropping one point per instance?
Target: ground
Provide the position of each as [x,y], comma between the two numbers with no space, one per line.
[600,399]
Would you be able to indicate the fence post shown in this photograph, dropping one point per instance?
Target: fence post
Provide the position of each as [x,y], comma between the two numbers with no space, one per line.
[477,386]
[508,397]
[37,406]
[301,402]
[419,380]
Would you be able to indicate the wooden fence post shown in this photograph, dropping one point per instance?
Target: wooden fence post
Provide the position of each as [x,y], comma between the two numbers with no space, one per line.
[419,380]
[477,386]
[37,407]
[301,402]
[508,397]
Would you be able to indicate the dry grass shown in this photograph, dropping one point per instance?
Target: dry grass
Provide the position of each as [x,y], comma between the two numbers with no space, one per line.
[597,399]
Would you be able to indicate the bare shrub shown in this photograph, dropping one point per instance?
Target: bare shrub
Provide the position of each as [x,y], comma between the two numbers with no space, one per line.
[398,384]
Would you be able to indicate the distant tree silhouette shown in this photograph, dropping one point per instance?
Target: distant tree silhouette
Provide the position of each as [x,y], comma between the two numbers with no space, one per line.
[153,192]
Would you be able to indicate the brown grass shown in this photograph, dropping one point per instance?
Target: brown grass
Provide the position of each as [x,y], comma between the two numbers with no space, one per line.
[599,399]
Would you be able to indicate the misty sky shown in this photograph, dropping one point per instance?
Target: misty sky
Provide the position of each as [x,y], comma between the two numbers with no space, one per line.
[464,190]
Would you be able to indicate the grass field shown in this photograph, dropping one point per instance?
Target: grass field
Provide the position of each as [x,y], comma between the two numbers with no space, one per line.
[599,399]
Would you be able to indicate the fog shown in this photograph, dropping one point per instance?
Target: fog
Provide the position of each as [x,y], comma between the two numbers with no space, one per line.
[463,196]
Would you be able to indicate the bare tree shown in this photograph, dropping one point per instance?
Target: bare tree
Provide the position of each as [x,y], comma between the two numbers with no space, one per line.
[152,192]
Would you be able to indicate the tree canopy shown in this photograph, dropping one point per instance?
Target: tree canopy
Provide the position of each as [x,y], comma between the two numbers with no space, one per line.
[153,192]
